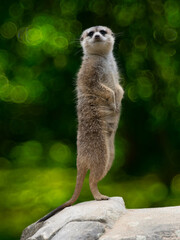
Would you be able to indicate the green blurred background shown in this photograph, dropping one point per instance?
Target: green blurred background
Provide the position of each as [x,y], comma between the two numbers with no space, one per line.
[39,59]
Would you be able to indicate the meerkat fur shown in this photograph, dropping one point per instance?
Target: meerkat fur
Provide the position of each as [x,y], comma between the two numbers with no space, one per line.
[99,96]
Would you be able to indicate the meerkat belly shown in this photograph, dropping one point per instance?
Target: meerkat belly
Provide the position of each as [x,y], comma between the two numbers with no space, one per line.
[89,115]
[91,142]
[111,79]
[111,117]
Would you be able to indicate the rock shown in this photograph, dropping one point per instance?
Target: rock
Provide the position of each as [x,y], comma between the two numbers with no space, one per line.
[108,220]
[30,230]
[83,217]
[146,224]
[81,230]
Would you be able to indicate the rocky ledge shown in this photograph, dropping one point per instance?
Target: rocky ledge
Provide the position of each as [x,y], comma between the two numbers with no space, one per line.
[107,220]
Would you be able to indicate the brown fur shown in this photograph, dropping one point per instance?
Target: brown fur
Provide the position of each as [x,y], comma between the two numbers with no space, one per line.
[99,97]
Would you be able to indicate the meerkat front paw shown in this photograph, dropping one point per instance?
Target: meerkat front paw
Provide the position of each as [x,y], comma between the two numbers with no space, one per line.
[119,92]
[113,106]
[119,95]
[112,102]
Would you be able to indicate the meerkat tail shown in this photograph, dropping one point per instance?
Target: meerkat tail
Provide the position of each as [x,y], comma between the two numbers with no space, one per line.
[79,183]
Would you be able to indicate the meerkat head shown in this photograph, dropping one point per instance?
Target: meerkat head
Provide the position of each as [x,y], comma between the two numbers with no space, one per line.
[97,40]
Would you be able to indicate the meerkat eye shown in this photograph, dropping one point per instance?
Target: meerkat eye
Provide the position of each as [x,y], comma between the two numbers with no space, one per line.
[90,34]
[103,32]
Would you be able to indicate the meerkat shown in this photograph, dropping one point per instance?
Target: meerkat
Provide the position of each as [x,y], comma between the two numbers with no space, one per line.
[99,96]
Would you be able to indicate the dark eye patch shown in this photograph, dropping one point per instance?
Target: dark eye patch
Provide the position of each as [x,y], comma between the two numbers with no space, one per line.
[103,32]
[90,34]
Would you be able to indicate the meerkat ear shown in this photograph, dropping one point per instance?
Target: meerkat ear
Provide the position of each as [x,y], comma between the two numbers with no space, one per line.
[81,39]
[113,34]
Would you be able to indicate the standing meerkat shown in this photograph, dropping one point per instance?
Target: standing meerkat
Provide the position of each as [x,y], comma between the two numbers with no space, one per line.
[99,96]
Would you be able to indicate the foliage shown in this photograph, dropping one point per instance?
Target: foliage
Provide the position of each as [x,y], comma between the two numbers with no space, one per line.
[39,58]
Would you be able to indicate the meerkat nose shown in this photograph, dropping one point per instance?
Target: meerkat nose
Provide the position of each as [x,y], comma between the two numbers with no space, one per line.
[97,36]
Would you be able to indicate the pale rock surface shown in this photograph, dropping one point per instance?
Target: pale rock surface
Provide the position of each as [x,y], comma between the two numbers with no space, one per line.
[81,230]
[88,219]
[146,224]
[108,220]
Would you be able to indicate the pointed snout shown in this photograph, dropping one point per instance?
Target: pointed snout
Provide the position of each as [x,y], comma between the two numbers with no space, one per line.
[97,36]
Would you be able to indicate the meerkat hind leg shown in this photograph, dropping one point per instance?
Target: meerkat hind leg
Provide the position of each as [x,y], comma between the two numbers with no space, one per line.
[94,189]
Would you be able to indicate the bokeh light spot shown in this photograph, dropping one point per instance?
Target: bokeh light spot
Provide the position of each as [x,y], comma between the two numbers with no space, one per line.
[147,74]
[42,19]
[68,7]
[16,10]
[27,4]
[3,81]
[168,73]
[172,13]
[21,35]
[175,184]
[140,43]
[8,30]
[98,7]
[125,17]
[27,154]
[48,31]
[159,113]
[157,7]
[19,94]
[158,35]
[60,153]
[132,92]
[169,50]
[170,34]
[134,61]
[144,88]
[157,191]
[34,36]
[61,42]
[30,36]
[5,92]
